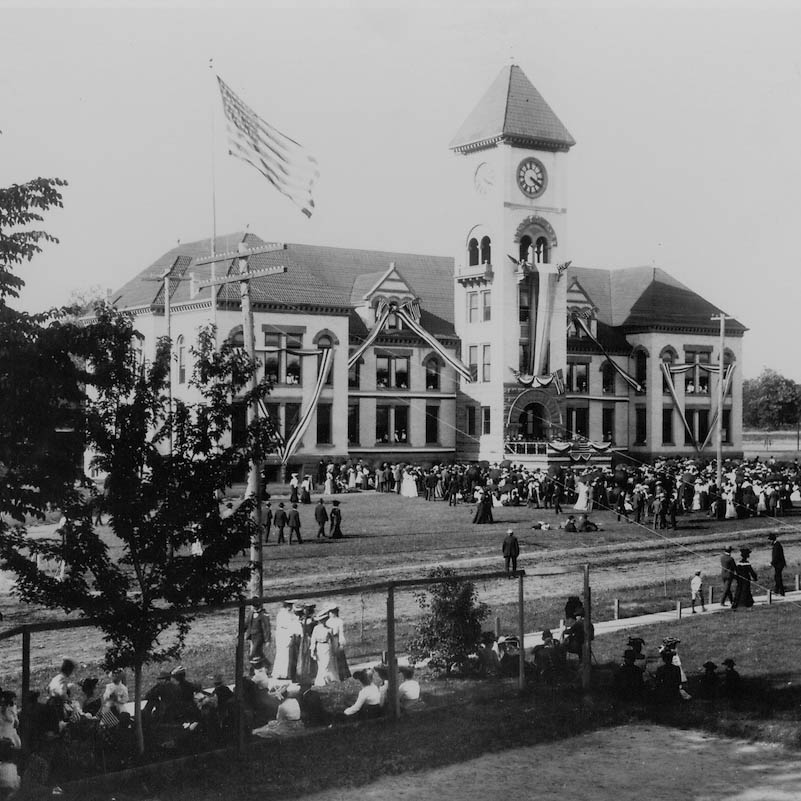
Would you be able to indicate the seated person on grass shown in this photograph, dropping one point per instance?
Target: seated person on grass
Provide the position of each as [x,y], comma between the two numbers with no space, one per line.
[549,658]
[629,683]
[408,689]
[368,701]
[288,716]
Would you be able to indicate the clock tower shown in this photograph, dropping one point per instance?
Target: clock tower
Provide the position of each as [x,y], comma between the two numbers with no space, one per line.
[510,293]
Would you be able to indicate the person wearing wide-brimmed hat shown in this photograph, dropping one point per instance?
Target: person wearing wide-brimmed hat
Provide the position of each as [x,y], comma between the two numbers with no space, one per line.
[745,574]
[294,483]
[304,664]
[731,679]
[321,650]
[162,701]
[339,662]
[335,526]
[257,629]
[708,686]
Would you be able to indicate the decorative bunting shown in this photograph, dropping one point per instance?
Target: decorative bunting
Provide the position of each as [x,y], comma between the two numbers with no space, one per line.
[630,380]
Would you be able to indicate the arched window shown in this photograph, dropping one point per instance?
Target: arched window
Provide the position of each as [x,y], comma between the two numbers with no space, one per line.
[181,351]
[236,337]
[486,254]
[432,374]
[525,247]
[669,357]
[324,342]
[542,251]
[472,252]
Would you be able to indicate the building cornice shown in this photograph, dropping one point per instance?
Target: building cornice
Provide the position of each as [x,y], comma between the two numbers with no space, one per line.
[679,329]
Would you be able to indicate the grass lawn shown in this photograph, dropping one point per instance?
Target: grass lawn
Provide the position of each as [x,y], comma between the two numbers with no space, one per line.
[477,717]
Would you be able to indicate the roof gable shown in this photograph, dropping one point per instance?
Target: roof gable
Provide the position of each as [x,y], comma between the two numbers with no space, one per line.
[512,110]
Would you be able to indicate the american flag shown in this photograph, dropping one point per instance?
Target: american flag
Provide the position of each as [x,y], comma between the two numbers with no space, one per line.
[281,160]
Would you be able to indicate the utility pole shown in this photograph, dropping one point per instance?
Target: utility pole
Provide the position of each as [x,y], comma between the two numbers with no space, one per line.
[722,317]
[243,277]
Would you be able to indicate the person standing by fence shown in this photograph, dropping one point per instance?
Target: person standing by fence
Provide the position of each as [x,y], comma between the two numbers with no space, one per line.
[777,562]
[727,570]
[511,550]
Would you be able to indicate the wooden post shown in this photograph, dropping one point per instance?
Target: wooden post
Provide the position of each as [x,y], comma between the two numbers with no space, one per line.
[497,627]
[25,705]
[392,660]
[770,596]
[678,610]
[617,608]
[586,655]
[711,594]
[797,582]
[238,684]
[521,631]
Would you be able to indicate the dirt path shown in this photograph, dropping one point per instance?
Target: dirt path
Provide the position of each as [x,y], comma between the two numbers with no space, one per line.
[628,762]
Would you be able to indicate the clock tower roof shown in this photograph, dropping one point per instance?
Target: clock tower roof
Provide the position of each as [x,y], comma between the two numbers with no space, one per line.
[513,111]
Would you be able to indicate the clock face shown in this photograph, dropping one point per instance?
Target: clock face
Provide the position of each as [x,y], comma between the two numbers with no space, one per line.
[531,177]
[484,178]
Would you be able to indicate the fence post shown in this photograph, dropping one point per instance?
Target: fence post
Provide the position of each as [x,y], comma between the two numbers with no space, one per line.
[392,661]
[586,655]
[238,684]
[497,627]
[711,594]
[26,687]
[678,610]
[617,608]
[521,631]
[770,596]
[797,582]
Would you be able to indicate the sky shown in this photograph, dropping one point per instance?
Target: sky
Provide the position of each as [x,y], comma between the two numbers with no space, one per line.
[687,123]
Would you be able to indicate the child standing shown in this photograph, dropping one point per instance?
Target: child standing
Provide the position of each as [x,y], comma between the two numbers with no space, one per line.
[697,591]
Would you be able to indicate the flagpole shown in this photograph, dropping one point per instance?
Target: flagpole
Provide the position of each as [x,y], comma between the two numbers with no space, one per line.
[213,248]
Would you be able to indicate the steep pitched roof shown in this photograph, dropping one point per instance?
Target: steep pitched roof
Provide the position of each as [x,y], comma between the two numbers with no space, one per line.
[512,110]
[646,297]
[316,276]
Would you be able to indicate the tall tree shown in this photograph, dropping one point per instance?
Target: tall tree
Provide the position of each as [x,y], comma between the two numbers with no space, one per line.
[166,463]
[771,401]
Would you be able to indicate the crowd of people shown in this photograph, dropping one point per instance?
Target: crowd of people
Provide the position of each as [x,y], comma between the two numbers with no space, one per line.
[652,494]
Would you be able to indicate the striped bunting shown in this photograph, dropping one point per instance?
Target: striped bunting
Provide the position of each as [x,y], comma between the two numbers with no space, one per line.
[727,377]
[281,160]
[630,380]
[380,322]
[666,373]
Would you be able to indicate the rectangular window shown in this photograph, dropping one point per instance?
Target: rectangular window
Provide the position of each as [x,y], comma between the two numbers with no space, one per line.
[524,357]
[696,380]
[608,424]
[703,424]
[726,425]
[608,379]
[432,424]
[640,425]
[324,424]
[353,424]
[432,374]
[382,372]
[524,304]
[354,376]
[486,360]
[401,424]
[486,420]
[667,426]
[472,307]
[581,426]
[294,342]
[471,421]
[291,417]
[472,362]
[689,416]
[486,305]
[382,423]
[578,378]
[239,424]
[401,369]
[272,359]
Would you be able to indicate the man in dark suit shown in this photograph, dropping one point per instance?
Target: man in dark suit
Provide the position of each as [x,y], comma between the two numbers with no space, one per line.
[511,550]
[321,516]
[293,521]
[727,570]
[280,522]
[257,629]
[778,563]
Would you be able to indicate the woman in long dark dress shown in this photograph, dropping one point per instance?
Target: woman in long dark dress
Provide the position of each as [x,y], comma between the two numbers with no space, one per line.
[744,574]
[483,508]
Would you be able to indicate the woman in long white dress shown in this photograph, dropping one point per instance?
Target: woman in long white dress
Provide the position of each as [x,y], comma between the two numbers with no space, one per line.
[409,484]
[286,625]
[696,504]
[731,510]
[321,651]
[582,502]
[351,478]
[328,487]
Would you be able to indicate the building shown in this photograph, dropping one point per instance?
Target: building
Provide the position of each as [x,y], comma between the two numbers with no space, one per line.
[507,351]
